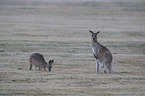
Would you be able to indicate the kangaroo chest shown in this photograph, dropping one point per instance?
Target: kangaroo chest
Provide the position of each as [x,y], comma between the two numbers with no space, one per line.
[95,48]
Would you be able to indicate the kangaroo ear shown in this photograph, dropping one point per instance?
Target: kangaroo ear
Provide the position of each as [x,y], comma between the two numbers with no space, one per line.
[98,32]
[91,31]
[52,60]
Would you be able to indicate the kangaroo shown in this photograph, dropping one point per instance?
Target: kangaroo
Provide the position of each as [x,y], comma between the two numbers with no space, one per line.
[102,55]
[38,60]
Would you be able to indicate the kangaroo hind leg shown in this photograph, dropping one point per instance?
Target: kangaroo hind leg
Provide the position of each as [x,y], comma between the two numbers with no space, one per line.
[30,66]
[103,64]
[105,68]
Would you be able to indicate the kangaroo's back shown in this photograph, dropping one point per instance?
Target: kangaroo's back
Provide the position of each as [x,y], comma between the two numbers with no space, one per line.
[36,57]
[104,53]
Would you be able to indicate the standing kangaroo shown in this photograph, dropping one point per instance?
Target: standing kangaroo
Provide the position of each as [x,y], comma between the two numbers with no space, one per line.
[101,53]
[38,60]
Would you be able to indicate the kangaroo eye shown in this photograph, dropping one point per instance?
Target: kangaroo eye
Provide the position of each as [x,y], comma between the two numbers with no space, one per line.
[94,36]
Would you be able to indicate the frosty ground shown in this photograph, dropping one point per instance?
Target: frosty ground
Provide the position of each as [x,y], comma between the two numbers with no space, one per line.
[60,30]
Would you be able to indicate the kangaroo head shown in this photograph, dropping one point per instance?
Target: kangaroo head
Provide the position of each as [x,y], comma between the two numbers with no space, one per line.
[49,64]
[94,36]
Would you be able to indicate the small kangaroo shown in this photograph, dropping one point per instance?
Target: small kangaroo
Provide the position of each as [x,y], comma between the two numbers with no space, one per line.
[101,53]
[38,60]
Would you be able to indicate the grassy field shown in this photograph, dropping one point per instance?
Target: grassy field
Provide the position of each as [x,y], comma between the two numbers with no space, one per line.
[60,30]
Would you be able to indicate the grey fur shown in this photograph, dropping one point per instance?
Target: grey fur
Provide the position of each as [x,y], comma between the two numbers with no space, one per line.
[37,60]
[101,53]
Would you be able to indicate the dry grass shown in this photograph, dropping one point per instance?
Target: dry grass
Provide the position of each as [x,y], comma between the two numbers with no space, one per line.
[59,30]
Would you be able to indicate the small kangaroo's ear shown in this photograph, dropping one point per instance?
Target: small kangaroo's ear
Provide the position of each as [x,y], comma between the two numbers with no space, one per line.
[98,32]
[51,61]
[91,31]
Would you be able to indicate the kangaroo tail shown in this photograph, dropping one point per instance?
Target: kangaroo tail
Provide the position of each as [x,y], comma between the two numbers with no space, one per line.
[110,69]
